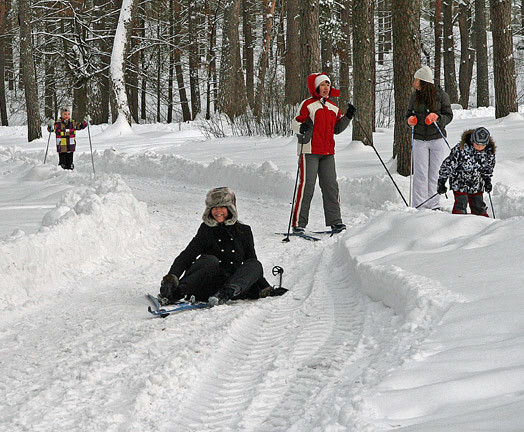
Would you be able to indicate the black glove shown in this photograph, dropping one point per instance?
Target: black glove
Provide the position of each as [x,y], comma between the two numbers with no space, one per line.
[350,113]
[441,188]
[488,187]
[168,285]
[304,127]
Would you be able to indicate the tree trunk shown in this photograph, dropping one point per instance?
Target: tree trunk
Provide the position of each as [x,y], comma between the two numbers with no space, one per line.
[186,114]
[384,30]
[269,12]
[131,78]
[344,50]
[294,76]
[450,77]
[102,114]
[326,53]
[503,60]
[406,60]
[232,98]
[80,98]
[363,71]
[248,16]
[194,62]
[144,70]
[309,41]
[50,110]
[438,41]
[467,53]
[171,68]
[117,66]
[3,101]
[4,10]
[27,64]
[211,17]
[481,46]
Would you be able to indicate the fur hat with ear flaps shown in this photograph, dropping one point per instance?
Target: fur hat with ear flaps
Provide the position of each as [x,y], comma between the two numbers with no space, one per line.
[220,197]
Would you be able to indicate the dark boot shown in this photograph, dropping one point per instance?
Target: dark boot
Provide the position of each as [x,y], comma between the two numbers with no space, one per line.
[461,203]
[224,295]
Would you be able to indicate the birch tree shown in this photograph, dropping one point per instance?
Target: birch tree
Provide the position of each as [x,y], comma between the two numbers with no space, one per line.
[118,58]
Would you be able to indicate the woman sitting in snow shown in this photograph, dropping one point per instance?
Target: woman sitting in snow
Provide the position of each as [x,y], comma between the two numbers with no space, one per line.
[220,262]
[469,168]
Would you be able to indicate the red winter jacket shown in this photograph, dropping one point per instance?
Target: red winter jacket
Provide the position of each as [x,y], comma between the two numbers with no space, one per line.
[326,117]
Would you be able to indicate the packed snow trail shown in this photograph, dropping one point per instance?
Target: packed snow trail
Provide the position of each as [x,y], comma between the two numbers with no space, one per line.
[91,357]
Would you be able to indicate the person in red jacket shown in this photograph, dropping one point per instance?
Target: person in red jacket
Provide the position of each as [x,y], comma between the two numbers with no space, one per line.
[317,121]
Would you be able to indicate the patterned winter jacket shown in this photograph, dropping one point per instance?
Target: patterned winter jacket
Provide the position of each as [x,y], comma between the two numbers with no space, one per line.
[466,167]
[327,121]
[65,134]
[430,132]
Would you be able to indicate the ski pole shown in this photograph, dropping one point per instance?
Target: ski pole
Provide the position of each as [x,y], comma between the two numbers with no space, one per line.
[91,146]
[434,195]
[492,209]
[286,239]
[441,134]
[383,164]
[47,148]
[411,166]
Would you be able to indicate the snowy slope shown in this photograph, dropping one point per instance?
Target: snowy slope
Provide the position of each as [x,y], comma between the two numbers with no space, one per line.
[411,320]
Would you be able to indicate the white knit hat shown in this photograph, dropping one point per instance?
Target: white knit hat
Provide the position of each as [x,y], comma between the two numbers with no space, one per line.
[425,74]
[321,78]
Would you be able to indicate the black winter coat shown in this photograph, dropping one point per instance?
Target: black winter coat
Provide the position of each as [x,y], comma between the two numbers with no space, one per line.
[426,132]
[231,244]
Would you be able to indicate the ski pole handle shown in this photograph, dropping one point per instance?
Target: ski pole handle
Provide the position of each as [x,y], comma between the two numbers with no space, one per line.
[278,271]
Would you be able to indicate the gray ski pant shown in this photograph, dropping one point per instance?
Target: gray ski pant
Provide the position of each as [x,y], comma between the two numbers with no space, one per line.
[311,166]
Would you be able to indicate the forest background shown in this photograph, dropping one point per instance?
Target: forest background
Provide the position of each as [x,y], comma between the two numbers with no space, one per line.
[239,66]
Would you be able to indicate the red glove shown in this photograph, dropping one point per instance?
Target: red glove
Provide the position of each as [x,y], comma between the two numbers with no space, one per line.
[432,117]
[412,121]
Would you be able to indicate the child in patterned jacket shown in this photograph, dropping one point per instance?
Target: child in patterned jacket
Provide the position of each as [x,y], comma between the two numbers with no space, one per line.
[469,168]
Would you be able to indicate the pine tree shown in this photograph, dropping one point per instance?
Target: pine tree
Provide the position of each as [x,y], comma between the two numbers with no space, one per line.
[406,60]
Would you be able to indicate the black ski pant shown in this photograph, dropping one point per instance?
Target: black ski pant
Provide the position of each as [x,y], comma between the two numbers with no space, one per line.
[204,278]
[65,160]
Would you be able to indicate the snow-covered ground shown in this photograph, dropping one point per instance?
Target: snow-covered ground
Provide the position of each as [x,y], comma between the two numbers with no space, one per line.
[410,320]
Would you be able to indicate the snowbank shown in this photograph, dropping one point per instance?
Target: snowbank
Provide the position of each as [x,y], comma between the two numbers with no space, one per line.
[97,220]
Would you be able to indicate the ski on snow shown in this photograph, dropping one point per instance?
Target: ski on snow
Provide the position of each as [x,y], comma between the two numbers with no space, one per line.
[328,232]
[309,237]
[158,310]
[301,235]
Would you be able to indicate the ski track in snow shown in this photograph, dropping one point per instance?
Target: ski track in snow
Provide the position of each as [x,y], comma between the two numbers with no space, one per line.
[269,365]
[273,361]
